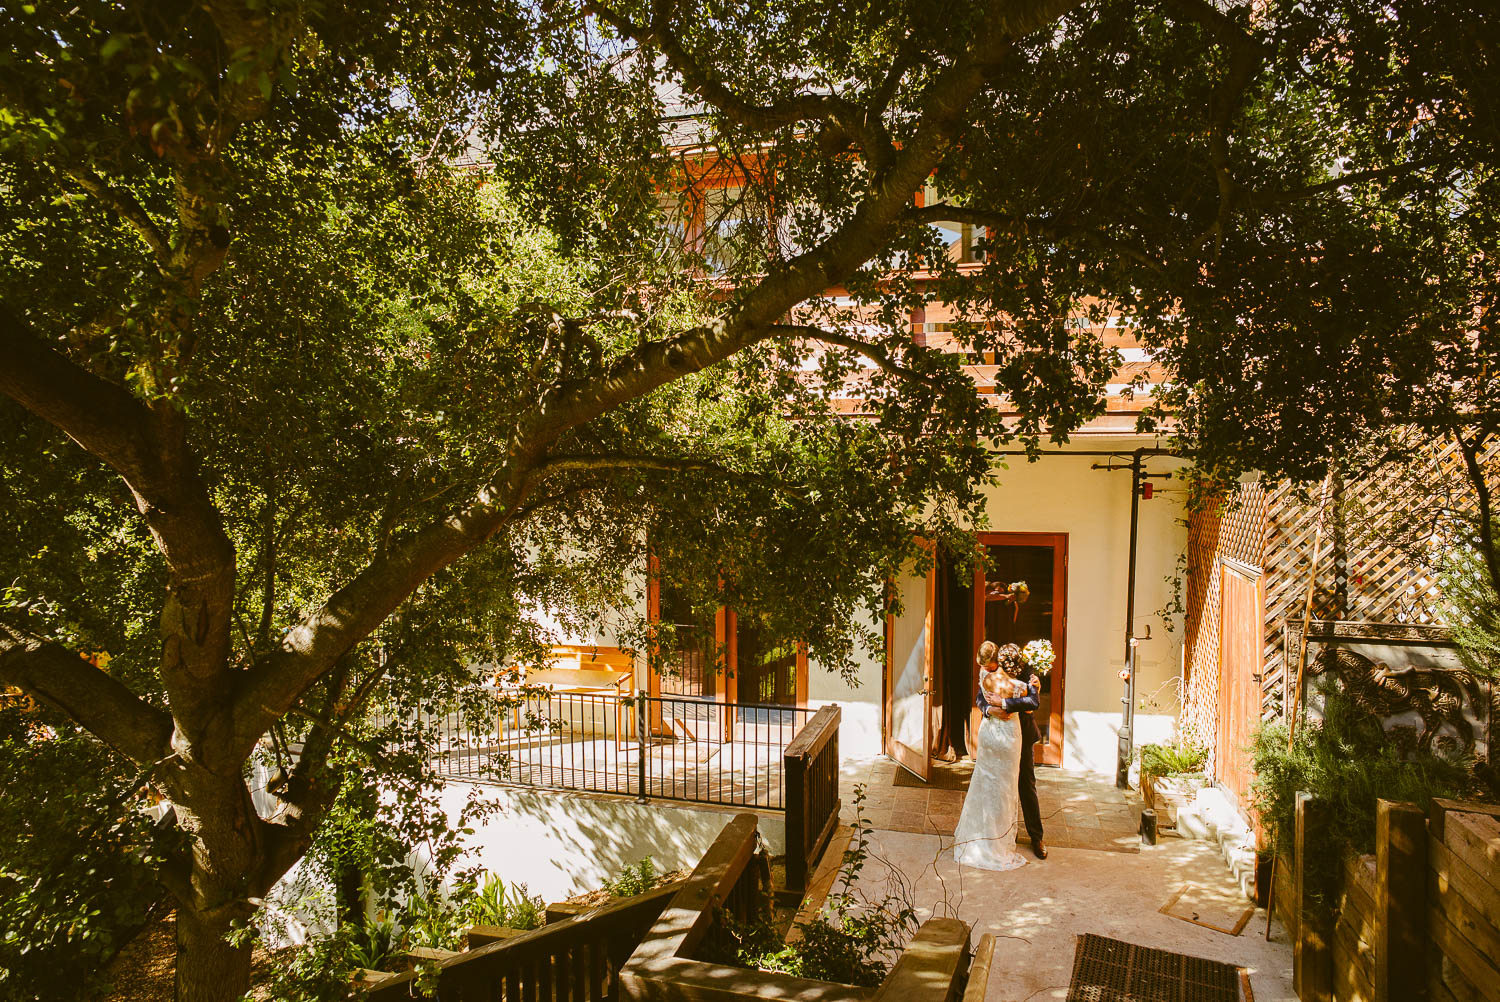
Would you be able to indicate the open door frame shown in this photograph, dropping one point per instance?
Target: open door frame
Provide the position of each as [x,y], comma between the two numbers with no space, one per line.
[1048,752]
[899,687]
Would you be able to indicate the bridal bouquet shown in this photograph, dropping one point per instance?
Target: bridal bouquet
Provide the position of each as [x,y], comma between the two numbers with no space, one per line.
[1039,655]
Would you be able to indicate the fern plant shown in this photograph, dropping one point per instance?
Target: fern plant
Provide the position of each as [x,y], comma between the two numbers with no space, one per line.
[1174,759]
[636,879]
[511,907]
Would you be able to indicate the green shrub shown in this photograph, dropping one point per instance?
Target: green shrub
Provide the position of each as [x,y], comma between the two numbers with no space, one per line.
[853,941]
[512,908]
[1175,759]
[1349,761]
[375,942]
[77,857]
[637,879]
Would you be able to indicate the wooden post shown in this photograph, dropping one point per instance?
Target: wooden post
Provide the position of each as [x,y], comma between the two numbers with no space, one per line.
[1312,948]
[794,764]
[1400,903]
[1312,585]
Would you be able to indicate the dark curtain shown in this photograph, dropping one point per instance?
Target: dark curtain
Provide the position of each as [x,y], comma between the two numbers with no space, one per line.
[953,619]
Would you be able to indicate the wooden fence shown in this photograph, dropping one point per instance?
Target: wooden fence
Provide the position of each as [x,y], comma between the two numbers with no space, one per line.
[1418,921]
[577,959]
[811,766]
[934,967]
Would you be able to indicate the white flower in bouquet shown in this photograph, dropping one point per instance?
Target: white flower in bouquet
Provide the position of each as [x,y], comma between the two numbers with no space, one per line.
[1039,655]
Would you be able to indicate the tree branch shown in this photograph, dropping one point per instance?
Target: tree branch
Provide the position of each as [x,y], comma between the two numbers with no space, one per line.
[873,352]
[149,449]
[866,130]
[1266,200]
[669,464]
[1247,55]
[1470,454]
[59,677]
[130,210]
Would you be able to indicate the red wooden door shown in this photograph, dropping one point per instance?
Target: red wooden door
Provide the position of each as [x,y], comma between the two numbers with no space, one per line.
[1241,617]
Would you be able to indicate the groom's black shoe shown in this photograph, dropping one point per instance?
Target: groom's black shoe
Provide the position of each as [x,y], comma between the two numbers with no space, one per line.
[1039,849]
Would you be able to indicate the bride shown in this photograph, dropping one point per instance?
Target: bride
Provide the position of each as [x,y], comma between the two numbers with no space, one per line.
[986,832]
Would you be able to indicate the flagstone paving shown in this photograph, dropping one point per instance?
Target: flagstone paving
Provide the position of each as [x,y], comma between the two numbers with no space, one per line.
[1078,811]
[1038,911]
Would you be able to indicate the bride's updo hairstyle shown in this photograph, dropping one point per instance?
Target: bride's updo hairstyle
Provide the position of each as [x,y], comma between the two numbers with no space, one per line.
[1010,659]
[987,653]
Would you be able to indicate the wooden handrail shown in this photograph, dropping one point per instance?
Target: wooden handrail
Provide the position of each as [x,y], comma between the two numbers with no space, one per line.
[979,969]
[466,969]
[810,765]
[817,732]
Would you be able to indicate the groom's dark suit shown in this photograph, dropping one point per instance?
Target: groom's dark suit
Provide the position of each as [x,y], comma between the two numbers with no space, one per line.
[1026,783]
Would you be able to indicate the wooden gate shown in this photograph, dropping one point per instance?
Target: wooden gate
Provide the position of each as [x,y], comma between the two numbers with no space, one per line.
[1241,613]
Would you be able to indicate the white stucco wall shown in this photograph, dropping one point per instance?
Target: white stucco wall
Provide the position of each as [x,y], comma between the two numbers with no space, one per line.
[561,844]
[1062,493]
[1065,494]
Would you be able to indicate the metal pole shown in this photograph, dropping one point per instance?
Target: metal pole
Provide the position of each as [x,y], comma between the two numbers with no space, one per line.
[640,740]
[1127,713]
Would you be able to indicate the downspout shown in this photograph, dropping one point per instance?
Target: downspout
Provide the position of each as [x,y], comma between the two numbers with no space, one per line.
[1127,714]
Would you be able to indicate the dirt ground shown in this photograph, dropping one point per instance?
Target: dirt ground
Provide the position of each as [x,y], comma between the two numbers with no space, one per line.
[143,971]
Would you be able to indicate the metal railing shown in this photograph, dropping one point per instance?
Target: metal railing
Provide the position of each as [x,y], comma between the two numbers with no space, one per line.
[656,747]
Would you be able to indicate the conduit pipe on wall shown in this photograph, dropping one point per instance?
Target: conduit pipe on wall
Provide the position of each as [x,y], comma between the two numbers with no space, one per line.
[1137,478]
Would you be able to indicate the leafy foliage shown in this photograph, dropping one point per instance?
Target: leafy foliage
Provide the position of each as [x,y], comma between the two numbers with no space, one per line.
[77,857]
[513,907]
[1349,761]
[1174,759]
[637,878]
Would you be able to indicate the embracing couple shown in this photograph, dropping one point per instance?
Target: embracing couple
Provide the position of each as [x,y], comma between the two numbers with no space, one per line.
[1004,781]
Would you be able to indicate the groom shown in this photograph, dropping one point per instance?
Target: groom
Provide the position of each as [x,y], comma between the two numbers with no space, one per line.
[1009,658]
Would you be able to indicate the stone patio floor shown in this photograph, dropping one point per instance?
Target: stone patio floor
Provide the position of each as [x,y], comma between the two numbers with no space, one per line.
[1037,912]
[1078,811]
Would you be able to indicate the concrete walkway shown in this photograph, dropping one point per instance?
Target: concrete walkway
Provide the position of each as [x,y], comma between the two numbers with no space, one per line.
[1037,911]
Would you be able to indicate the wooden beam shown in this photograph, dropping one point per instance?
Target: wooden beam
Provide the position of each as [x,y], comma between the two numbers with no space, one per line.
[979,969]
[1400,903]
[931,966]
[1312,954]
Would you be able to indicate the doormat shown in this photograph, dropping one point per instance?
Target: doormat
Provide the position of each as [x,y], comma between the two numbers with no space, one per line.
[1107,970]
[945,776]
[1222,909]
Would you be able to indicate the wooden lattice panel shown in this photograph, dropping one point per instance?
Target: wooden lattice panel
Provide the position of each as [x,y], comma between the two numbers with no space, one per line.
[1369,568]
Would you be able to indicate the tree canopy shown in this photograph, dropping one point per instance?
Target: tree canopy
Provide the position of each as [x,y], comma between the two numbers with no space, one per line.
[298,409]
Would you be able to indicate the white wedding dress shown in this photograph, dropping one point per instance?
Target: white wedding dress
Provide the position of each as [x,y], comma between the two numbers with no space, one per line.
[986,832]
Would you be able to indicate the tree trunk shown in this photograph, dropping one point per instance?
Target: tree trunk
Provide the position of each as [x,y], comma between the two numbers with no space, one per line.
[209,969]
[224,870]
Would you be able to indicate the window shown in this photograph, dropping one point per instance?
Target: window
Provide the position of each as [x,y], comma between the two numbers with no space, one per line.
[726,219]
[962,240]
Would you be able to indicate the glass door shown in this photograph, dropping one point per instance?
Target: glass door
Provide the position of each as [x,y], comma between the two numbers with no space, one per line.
[908,672]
